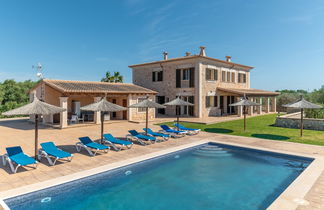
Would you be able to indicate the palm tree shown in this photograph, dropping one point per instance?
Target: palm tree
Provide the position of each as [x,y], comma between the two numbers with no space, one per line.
[116,78]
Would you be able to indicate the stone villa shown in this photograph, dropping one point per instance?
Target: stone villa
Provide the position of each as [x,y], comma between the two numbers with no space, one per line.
[210,84]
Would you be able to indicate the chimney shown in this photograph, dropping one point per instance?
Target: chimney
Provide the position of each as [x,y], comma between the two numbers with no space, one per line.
[165,55]
[202,51]
[188,53]
[228,58]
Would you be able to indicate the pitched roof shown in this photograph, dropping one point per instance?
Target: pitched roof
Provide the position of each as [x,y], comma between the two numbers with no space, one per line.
[191,57]
[66,86]
[249,92]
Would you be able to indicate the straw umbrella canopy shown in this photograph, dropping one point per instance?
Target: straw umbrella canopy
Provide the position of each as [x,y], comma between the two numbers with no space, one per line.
[178,103]
[147,104]
[103,106]
[302,104]
[245,103]
[36,108]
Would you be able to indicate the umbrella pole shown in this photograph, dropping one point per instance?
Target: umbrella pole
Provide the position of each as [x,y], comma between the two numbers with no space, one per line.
[301,122]
[244,111]
[178,113]
[36,135]
[146,124]
[102,127]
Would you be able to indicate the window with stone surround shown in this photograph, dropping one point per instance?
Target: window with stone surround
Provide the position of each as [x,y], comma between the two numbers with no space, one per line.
[141,109]
[211,74]
[157,76]
[242,78]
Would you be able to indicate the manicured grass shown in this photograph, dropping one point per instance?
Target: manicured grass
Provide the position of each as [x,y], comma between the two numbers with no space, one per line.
[261,127]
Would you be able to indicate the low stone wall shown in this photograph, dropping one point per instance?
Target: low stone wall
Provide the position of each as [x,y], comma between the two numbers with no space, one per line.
[293,121]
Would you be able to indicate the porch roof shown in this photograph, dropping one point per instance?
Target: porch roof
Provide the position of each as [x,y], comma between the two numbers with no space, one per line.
[249,92]
[65,86]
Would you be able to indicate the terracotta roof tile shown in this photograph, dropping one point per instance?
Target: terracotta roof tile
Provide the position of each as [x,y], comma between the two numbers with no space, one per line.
[95,87]
[249,92]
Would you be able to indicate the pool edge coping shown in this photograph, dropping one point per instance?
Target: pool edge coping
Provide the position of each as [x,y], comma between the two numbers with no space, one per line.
[286,199]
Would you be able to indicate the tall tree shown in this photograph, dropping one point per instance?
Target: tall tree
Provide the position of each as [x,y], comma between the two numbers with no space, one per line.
[116,78]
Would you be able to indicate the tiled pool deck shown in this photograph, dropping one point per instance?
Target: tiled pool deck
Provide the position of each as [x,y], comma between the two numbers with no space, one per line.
[310,185]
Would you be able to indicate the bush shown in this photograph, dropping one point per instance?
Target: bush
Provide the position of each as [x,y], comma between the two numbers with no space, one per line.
[314,113]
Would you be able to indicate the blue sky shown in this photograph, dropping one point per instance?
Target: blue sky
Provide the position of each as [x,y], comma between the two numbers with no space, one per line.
[81,39]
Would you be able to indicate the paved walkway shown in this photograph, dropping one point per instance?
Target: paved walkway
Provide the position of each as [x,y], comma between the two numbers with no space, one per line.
[20,132]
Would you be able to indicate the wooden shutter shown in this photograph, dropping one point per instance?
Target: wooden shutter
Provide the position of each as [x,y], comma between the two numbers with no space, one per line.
[244,78]
[192,77]
[191,99]
[160,76]
[207,101]
[215,74]
[153,76]
[178,78]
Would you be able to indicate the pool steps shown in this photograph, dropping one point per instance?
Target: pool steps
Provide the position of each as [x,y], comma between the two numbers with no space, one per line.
[212,151]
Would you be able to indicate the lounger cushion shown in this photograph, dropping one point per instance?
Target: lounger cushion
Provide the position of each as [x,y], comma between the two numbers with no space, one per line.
[185,128]
[149,131]
[167,129]
[113,140]
[51,149]
[89,143]
[140,136]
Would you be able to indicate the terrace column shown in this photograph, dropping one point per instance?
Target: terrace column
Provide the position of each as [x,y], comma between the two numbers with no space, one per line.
[259,108]
[250,108]
[239,108]
[225,105]
[64,115]
[274,104]
[267,105]
[129,111]
[96,116]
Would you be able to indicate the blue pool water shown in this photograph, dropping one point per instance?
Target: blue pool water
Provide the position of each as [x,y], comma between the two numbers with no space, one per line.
[209,176]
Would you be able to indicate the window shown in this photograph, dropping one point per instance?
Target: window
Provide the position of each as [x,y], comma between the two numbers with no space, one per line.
[223,76]
[233,77]
[185,74]
[157,76]
[141,109]
[212,74]
[242,78]
[228,78]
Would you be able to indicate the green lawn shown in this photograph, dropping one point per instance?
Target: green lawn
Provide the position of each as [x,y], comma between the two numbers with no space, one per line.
[261,127]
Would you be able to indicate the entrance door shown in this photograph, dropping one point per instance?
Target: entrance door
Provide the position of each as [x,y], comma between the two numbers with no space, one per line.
[160,100]
[188,110]
[125,112]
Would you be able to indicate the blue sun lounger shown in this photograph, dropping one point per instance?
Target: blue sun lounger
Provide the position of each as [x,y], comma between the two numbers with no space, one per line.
[156,134]
[112,141]
[89,145]
[15,155]
[183,128]
[168,130]
[49,150]
[140,138]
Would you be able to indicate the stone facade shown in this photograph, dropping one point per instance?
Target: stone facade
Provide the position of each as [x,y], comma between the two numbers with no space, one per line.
[293,121]
[226,76]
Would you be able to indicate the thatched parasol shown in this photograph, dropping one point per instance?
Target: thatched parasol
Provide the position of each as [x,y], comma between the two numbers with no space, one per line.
[302,104]
[147,104]
[178,103]
[103,106]
[245,103]
[36,108]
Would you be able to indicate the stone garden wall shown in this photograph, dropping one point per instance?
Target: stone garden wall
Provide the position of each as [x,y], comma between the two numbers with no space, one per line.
[293,121]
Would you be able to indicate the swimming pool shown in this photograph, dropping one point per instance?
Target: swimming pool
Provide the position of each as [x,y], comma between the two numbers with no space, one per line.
[208,176]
